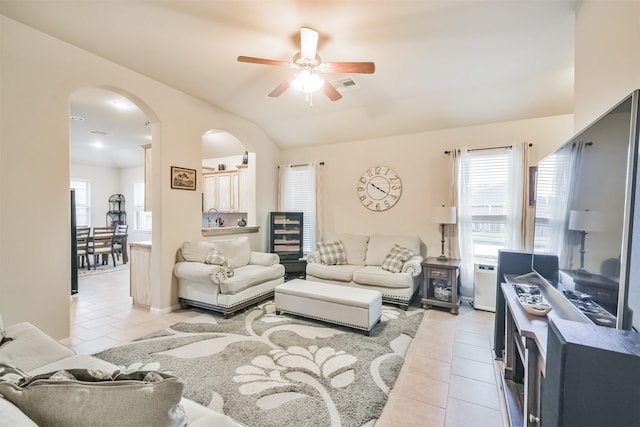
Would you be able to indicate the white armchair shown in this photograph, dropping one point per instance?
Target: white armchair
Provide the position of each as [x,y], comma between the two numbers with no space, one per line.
[225,275]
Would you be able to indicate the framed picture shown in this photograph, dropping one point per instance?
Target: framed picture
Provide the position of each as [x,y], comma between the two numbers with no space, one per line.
[182,178]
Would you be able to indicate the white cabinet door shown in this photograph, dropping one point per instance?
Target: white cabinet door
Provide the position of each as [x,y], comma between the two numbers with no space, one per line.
[234,191]
[209,192]
[223,196]
[243,189]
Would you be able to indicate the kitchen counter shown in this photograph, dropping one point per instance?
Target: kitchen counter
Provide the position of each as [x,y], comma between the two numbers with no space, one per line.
[222,231]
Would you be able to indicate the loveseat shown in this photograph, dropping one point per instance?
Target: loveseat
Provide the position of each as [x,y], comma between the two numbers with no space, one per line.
[225,275]
[43,383]
[390,264]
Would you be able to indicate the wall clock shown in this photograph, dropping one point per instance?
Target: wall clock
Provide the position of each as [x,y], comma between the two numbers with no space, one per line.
[379,188]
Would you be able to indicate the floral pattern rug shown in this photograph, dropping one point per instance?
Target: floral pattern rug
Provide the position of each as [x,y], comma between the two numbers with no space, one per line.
[268,370]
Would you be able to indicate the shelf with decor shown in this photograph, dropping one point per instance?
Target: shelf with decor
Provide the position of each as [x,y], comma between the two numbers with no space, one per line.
[286,240]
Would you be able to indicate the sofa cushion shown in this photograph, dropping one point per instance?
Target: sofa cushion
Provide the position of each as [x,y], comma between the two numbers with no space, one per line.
[375,276]
[237,250]
[380,245]
[355,246]
[12,416]
[99,398]
[3,336]
[196,251]
[215,257]
[332,253]
[396,258]
[31,347]
[339,273]
[250,275]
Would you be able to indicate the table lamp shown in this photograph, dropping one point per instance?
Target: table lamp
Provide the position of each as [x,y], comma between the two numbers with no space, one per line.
[584,222]
[443,215]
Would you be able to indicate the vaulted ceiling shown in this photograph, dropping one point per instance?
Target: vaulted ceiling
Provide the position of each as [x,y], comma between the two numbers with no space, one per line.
[439,63]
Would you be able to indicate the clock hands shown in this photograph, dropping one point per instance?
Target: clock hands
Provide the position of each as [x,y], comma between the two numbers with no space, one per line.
[375,186]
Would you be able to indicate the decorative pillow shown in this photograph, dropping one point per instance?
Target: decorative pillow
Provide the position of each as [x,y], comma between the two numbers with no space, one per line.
[3,337]
[396,258]
[99,398]
[215,257]
[11,374]
[332,253]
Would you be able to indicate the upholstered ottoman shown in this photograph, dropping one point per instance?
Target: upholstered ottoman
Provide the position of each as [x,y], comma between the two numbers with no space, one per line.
[342,305]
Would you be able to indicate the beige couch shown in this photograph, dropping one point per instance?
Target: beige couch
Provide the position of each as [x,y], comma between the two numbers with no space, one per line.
[69,403]
[364,265]
[225,275]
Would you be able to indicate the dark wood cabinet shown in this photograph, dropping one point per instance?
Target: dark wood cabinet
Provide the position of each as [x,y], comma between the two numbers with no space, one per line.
[440,284]
[286,233]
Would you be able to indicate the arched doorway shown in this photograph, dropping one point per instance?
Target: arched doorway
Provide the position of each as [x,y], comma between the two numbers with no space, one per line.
[107,130]
[228,170]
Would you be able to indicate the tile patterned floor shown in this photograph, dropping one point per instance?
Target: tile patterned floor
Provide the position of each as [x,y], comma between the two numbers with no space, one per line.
[448,380]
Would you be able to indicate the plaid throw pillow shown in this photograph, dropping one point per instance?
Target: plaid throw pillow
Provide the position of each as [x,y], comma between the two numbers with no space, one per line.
[396,258]
[216,257]
[332,253]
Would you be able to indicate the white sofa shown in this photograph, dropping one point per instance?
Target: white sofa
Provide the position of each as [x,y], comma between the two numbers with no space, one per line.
[225,275]
[364,261]
[77,403]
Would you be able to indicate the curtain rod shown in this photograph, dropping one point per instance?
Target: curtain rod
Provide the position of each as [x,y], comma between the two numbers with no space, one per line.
[302,164]
[487,148]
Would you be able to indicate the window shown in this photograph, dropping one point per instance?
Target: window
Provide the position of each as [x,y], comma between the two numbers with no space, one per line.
[488,177]
[142,219]
[298,194]
[82,189]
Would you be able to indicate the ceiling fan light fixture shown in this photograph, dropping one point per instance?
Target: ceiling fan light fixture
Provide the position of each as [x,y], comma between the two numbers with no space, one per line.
[307,82]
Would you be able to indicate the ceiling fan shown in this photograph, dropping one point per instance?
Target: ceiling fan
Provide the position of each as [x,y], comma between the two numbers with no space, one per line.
[311,72]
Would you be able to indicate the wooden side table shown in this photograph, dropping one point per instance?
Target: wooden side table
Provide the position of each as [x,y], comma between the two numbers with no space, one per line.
[294,268]
[440,284]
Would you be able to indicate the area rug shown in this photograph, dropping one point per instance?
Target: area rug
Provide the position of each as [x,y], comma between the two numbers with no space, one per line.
[268,370]
[102,268]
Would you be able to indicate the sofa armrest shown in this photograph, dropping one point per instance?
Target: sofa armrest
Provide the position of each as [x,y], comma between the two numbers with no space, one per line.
[264,258]
[199,272]
[413,266]
[314,258]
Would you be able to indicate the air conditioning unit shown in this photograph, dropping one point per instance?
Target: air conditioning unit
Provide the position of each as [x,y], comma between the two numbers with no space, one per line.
[484,287]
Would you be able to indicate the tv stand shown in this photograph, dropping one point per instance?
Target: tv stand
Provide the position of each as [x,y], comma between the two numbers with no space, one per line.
[561,370]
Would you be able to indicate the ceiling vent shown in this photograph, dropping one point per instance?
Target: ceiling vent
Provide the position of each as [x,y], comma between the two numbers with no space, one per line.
[346,83]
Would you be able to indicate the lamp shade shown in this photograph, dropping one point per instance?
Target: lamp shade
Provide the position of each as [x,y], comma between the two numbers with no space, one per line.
[444,215]
[586,220]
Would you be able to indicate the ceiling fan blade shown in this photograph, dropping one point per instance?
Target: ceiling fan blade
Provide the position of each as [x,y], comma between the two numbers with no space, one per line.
[308,42]
[351,67]
[279,90]
[331,92]
[253,60]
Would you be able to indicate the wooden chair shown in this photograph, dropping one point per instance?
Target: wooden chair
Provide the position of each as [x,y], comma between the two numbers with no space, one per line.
[120,242]
[82,244]
[102,245]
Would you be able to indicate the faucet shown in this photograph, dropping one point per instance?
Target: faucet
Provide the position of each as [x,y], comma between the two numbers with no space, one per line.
[217,221]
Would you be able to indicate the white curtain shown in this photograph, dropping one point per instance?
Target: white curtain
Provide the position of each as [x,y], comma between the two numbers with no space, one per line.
[465,239]
[514,226]
[299,190]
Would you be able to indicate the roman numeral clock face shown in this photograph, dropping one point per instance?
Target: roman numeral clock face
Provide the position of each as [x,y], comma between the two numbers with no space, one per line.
[379,188]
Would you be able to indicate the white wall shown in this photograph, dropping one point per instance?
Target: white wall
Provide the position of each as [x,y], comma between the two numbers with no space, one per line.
[37,75]
[607,57]
[423,167]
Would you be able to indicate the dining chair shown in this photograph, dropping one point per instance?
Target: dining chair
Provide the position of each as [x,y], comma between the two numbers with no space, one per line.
[120,242]
[82,244]
[102,245]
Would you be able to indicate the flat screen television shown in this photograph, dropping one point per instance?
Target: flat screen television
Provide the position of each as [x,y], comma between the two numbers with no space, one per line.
[585,206]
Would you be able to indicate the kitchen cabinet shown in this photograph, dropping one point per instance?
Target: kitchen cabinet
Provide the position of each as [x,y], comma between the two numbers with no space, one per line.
[223,190]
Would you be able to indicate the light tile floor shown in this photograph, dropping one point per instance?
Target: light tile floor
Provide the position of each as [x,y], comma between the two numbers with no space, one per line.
[448,380]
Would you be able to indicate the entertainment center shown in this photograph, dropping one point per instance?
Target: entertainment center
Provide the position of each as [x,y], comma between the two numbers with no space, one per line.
[578,364]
